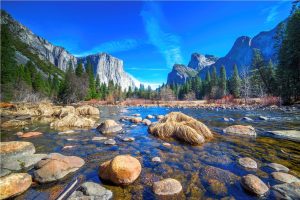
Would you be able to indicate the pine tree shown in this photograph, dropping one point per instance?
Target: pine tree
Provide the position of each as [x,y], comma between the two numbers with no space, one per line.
[92,85]
[79,69]
[235,82]
[38,83]
[214,77]
[223,81]
[207,83]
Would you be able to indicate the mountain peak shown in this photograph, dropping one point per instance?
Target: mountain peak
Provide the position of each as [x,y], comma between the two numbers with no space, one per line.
[199,61]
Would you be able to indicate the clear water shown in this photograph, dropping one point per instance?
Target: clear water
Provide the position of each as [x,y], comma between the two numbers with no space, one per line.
[180,161]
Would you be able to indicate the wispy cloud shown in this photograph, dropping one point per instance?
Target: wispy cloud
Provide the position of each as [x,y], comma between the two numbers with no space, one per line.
[113,47]
[167,43]
[146,84]
[273,11]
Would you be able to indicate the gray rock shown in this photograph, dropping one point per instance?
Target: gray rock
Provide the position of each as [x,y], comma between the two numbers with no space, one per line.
[284,177]
[24,162]
[15,150]
[253,184]
[248,163]
[180,74]
[4,172]
[289,191]
[200,61]
[91,190]
[289,134]
[110,142]
[278,167]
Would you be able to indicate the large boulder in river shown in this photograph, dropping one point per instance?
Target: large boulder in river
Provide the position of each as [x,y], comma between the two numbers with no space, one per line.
[13,123]
[167,186]
[56,166]
[63,111]
[87,110]
[72,120]
[121,170]
[109,126]
[254,185]
[14,184]
[182,127]
[15,149]
[240,130]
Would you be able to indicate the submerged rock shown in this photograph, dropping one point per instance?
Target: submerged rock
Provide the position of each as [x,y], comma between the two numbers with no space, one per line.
[14,184]
[109,126]
[240,130]
[87,110]
[182,127]
[289,134]
[210,172]
[284,177]
[278,167]
[91,190]
[167,186]
[253,184]
[30,134]
[248,163]
[72,120]
[13,123]
[217,187]
[288,191]
[56,166]
[121,170]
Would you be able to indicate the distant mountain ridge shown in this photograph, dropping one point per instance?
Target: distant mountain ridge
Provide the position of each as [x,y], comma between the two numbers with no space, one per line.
[104,65]
[240,54]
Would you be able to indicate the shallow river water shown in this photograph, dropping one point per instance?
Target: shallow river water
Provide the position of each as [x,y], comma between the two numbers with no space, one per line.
[180,161]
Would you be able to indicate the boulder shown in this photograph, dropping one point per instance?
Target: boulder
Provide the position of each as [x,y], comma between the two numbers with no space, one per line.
[240,130]
[284,177]
[254,185]
[72,120]
[13,123]
[87,110]
[91,190]
[121,170]
[288,191]
[4,172]
[44,109]
[30,134]
[56,166]
[288,134]
[147,122]
[167,186]
[109,126]
[63,111]
[22,162]
[181,127]
[136,119]
[15,149]
[278,167]
[248,163]
[14,184]
[150,116]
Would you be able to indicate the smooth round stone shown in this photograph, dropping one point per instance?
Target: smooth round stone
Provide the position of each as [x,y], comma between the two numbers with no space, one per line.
[109,126]
[278,167]
[240,130]
[110,142]
[167,186]
[248,163]
[253,184]
[156,159]
[287,190]
[128,139]
[284,177]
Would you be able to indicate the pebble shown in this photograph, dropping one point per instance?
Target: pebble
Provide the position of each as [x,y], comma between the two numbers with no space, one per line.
[156,159]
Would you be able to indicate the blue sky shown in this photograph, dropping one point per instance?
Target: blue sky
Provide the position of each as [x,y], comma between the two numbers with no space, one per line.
[148,36]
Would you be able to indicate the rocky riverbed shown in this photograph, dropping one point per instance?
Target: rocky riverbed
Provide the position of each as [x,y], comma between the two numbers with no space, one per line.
[258,158]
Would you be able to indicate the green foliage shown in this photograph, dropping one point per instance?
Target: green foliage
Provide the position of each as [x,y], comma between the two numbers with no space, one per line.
[235,83]
[79,69]
[223,81]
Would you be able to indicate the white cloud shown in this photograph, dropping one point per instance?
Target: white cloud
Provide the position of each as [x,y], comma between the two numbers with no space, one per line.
[146,84]
[273,11]
[112,47]
[168,44]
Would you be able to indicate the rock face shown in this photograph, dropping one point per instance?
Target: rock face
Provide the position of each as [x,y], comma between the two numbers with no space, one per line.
[284,177]
[287,190]
[14,184]
[180,74]
[91,190]
[167,186]
[182,127]
[56,166]
[200,61]
[104,65]
[240,130]
[253,184]
[121,170]
[109,126]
